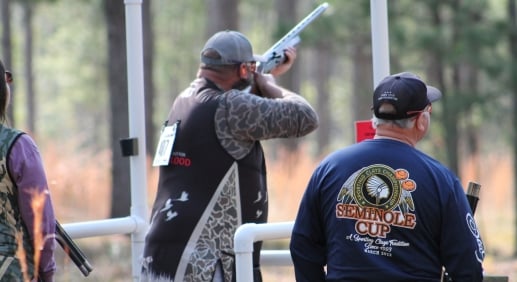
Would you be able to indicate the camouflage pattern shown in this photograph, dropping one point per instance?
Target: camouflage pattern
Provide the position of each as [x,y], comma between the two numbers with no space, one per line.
[10,218]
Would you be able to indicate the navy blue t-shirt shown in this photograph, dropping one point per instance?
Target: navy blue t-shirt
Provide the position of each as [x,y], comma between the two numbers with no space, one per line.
[381,209]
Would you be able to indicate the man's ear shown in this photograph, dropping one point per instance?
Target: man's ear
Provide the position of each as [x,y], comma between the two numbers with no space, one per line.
[422,121]
[243,71]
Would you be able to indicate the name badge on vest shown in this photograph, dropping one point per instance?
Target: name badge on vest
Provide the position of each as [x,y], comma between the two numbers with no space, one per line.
[165,145]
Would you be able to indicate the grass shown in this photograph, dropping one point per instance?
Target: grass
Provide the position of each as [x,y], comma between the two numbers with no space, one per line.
[80,187]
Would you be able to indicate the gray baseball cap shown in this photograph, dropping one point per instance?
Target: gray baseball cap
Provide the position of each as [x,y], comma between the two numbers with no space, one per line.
[232,46]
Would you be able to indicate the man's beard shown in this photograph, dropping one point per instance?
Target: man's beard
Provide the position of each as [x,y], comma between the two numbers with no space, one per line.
[243,83]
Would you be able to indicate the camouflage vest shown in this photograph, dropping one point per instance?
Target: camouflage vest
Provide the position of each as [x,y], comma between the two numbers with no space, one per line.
[11,222]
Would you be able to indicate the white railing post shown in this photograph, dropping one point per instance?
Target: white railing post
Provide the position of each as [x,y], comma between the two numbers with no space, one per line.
[136,102]
[380,40]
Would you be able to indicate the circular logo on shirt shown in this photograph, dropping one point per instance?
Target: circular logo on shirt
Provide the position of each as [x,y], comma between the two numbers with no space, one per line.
[377,186]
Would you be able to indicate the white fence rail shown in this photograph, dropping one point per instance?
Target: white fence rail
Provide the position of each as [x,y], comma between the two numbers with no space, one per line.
[113,226]
[249,233]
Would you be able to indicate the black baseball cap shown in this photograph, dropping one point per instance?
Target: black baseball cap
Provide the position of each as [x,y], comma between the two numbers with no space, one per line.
[406,92]
[232,46]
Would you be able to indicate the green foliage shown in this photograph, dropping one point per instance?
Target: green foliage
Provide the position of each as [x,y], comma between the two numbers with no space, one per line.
[468,38]
[71,74]
[179,33]
[69,70]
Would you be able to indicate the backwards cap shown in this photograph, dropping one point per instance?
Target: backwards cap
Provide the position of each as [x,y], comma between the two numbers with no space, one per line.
[406,92]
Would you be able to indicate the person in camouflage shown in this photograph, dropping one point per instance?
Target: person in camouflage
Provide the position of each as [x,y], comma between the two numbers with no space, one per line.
[214,175]
[22,182]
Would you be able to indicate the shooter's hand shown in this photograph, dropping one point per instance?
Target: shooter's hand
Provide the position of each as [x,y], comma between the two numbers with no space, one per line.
[290,57]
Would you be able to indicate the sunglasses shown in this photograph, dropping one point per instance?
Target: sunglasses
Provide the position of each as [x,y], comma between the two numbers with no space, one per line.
[8,77]
[252,66]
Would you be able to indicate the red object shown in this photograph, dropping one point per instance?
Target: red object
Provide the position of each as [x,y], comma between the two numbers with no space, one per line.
[363,130]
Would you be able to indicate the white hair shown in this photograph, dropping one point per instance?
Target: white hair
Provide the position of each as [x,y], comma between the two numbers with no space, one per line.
[390,109]
[402,123]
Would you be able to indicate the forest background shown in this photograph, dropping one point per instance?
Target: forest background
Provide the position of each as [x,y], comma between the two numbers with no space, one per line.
[70,93]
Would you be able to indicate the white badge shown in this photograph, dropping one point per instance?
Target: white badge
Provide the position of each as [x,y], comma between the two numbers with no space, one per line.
[164,149]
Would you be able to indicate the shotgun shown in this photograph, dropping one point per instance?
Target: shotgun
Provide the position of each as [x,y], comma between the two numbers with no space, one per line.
[72,250]
[275,55]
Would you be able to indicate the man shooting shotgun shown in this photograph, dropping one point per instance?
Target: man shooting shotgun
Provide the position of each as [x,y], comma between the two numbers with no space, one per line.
[212,166]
